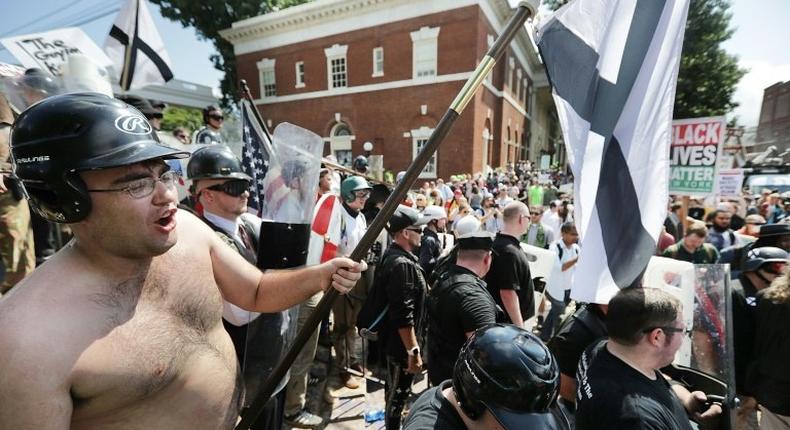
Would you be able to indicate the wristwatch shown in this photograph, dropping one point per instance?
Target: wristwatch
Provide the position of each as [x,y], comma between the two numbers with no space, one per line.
[413,352]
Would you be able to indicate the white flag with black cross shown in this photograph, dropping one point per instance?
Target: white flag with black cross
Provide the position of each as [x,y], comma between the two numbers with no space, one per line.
[613,67]
[135,48]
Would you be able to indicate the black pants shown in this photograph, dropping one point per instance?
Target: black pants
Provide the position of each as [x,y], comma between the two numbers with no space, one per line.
[397,389]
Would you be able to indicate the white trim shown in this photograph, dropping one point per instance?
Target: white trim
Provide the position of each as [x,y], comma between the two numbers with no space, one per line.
[424,133]
[331,17]
[463,76]
[336,52]
[265,66]
[266,63]
[425,33]
[378,73]
[299,77]
[507,97]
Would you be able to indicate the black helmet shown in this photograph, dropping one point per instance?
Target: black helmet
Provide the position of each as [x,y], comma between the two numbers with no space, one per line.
[215,162]
[360,164]
[40,80]
[57,138]
[757,257]
[512,374]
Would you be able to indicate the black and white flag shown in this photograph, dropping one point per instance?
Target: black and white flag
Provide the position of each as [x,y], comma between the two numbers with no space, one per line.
[135,48]
[613,68]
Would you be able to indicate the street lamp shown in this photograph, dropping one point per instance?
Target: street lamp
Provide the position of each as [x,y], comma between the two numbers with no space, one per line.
[368,147]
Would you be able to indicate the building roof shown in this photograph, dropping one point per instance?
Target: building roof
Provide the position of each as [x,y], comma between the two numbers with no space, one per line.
[329,17]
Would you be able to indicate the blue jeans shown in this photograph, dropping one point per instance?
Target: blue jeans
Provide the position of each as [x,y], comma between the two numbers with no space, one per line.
[552,319]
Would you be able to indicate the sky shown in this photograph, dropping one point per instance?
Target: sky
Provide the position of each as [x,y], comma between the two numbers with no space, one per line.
[762,33]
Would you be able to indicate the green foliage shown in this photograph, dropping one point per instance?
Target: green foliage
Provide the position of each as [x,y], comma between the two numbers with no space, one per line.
[174,116]
[708,75]
[208,17]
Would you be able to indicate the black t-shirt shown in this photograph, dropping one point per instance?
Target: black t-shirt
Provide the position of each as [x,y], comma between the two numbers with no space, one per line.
[459,303]
[585,327]
[432,411]
[510,271]
[744,305]
[613,395]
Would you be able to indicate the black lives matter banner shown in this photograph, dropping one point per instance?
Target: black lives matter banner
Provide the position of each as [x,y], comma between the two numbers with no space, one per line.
[694,154]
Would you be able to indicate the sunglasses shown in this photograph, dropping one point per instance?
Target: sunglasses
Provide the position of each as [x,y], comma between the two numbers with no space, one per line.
[415,229]
[217,117]
[362,194]
[534,213]
[233,188]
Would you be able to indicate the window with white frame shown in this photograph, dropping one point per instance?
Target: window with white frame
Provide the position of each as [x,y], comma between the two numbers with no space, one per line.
[517,93]
[299,66]
[337,71]
[511,65]
[378,62]
[419,140]
[267,77]
[524,89]
[425,51]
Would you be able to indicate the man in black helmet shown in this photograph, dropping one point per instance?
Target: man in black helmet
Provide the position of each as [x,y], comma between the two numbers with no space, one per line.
[210,133]
[122,328]
[221,187]
[504,378]
[760,268]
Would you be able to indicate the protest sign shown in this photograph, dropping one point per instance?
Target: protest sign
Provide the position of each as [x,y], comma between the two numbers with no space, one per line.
[730,183]
[50,50]
[694,152]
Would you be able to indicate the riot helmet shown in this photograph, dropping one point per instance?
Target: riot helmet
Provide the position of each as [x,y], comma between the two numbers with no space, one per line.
[756,258]
[352,184]
[55,139]
[511,373]
[215,162]
[434,213]
[360,164]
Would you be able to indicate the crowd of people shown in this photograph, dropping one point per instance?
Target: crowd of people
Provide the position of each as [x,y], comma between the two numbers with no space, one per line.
[447,288]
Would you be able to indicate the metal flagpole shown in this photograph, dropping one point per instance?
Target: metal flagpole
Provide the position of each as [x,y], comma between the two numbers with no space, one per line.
[524,10]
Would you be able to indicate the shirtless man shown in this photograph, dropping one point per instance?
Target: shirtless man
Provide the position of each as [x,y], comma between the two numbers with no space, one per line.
[122,328]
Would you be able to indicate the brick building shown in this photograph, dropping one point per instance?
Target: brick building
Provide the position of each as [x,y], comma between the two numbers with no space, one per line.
[774,126]
[385,71]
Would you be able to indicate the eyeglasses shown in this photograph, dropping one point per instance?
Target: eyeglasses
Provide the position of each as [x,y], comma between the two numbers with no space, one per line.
[233,188]
[144,187]
[217,117]
[415,229]
[534,213]
[362,194]
[685,331]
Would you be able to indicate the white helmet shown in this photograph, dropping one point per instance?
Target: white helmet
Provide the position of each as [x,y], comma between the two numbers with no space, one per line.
[434,212]
[466,226]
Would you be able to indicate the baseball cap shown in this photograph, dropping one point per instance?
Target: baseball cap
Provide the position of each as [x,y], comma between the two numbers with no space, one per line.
[404,217]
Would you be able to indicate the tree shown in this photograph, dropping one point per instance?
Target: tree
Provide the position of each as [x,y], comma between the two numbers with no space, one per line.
[208,17]
[708,75]
[175,116]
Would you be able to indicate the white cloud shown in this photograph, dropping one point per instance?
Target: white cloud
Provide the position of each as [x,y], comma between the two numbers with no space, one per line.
[749,93]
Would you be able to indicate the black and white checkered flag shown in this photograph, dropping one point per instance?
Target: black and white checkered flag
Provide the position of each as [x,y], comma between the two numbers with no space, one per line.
[613,68]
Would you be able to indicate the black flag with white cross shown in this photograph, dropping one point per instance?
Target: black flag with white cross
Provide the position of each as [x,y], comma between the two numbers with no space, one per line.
[612,65]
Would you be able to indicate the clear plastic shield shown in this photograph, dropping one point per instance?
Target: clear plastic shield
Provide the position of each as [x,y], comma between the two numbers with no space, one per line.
[291,182]
[30,87]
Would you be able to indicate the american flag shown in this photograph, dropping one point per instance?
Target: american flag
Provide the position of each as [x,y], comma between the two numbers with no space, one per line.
[255,156]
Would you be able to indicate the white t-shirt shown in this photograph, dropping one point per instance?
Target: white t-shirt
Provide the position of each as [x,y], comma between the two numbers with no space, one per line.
[559,280]
[351,231]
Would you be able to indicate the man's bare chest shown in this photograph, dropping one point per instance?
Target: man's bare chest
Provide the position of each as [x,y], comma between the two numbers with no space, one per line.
[160,332]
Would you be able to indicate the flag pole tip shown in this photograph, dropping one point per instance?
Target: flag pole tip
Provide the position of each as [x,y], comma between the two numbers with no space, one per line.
[531,5]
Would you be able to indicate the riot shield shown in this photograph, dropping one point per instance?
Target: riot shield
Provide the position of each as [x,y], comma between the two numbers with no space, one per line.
[290,188]
[705,362]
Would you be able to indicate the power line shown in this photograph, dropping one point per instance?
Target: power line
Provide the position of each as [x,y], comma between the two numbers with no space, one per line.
[39,19]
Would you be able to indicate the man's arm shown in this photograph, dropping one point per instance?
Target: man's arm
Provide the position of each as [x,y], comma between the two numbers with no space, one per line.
[245,286]
[34,392]
[568,388]
[512,306]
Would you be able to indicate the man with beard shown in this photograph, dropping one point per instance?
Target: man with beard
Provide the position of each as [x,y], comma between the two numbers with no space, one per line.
[721,235]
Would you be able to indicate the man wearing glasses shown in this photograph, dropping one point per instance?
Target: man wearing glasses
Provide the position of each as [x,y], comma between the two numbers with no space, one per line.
[620,386]
[209,134]
[538,234]
[122,327]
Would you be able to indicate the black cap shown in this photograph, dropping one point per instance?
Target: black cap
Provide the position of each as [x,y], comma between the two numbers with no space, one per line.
[143,105]
[772,230]
[404,217]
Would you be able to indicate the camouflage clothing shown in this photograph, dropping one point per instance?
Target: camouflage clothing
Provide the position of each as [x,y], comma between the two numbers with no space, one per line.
[16,240]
